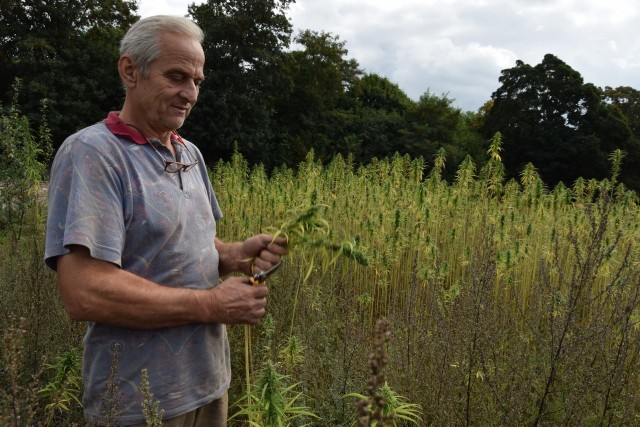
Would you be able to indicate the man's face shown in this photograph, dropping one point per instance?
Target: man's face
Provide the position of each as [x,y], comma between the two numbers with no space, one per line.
[166,96]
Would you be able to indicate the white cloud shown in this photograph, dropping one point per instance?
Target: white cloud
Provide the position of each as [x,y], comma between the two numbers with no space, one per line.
[467,73]
[165,7]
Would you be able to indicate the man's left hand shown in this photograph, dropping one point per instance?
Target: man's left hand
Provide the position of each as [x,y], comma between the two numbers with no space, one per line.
[261,252]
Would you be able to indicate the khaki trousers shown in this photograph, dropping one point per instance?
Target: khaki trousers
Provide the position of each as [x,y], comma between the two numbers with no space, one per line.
[212,415]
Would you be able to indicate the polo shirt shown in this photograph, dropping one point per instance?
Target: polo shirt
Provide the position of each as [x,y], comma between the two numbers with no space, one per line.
[110,193]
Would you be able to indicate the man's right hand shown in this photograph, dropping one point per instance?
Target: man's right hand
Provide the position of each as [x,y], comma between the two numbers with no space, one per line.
[235,301]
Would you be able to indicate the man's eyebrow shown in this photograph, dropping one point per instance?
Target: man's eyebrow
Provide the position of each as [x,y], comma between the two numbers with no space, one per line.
[184,73]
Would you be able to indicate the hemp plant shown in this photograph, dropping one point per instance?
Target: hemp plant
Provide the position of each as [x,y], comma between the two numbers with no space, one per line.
[309,235]
[274,401]
[25,155]
[63,391]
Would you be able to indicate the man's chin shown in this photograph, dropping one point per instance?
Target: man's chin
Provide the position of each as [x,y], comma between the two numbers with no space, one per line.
[175,123]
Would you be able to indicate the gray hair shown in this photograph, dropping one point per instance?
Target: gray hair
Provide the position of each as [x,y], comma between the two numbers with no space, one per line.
[142,41]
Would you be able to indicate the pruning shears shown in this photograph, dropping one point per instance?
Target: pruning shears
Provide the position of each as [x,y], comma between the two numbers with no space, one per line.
[260,278]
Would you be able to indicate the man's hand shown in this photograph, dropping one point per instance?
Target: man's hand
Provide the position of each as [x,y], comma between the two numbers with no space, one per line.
[257,253]
[263,252]
[234,301]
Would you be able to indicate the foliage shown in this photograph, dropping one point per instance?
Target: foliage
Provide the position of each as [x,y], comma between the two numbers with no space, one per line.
[26,156]
[150,408]
[478,280]
[380,93]
[432,123]
[382,406]
[66,52]
[261,99]
[63,390]
[394,408]
[18,394]
[244,46]
[627,101]
[549,117]
[274,402]
[308,234]
[274,97]
[111,397]
[28,290]
[313,111]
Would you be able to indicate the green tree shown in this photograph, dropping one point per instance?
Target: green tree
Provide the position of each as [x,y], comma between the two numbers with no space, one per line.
[379,116]
[627,100]
[380,93]
[431,124]
[549,117]
[316,109]
[244,45]
[468,140]
[66,52]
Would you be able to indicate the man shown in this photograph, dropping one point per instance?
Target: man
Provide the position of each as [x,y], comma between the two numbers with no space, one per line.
[132,233]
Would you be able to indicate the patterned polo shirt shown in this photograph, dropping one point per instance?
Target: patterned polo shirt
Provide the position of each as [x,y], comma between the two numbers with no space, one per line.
[110,193]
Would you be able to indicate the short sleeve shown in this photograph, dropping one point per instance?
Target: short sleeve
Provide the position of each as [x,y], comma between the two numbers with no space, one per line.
[86,198]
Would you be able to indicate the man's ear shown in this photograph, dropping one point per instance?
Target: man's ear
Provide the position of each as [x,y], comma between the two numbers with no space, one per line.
[129,72]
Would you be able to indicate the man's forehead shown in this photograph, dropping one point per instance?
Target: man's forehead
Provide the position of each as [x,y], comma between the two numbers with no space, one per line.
[175,57]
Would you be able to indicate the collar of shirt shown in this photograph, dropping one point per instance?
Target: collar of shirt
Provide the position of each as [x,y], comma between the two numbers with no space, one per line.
[120,128]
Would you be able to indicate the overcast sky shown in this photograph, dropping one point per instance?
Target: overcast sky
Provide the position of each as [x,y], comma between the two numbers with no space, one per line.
[459,47]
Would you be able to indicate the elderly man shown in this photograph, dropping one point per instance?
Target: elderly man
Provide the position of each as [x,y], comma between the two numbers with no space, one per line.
[132,234]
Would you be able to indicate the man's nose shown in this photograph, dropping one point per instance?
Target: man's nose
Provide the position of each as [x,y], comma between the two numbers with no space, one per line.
[190,91]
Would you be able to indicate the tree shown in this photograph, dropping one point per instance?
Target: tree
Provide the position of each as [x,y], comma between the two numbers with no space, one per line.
[431,124]
[316,108]
[379,116]
[66,52]
[469,141]
[627,101]
[380,93]
[548,116]
[244,45]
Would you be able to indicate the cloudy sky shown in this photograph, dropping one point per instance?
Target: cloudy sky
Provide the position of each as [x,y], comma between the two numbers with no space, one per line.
[459,47]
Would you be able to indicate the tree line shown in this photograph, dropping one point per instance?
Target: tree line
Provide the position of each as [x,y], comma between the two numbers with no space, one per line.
[274,96]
